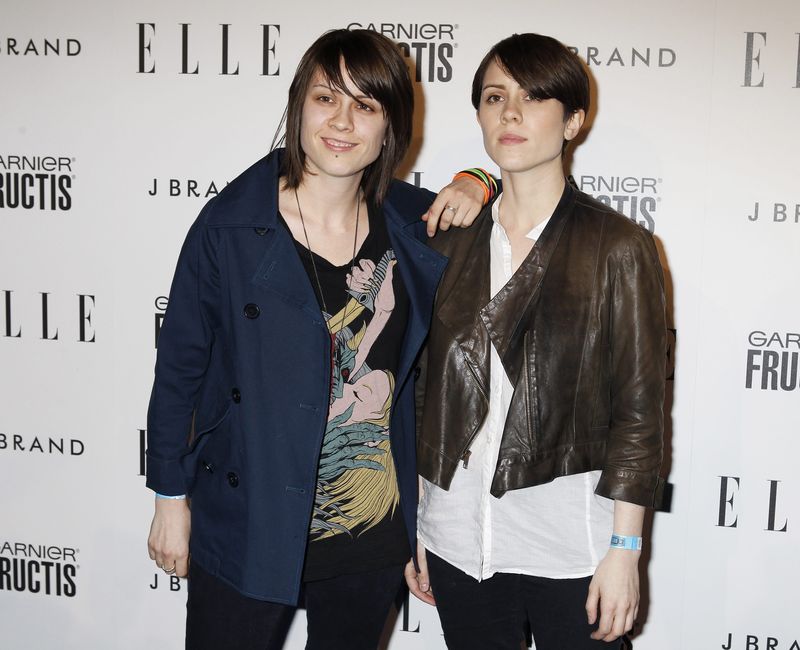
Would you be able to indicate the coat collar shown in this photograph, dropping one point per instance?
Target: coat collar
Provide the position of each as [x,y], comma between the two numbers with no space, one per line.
[251,199]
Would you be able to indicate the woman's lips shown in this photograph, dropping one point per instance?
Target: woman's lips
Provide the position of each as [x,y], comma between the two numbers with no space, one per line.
[338,145]
[510,138]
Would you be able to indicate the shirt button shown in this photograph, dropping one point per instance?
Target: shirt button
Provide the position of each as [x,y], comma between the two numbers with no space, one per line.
[252,310]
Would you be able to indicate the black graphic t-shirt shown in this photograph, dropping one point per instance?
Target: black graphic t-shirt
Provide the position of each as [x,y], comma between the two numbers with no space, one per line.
[356,524]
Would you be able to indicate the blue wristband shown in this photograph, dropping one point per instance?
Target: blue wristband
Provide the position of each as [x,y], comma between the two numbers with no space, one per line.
[628,542]
[165,496]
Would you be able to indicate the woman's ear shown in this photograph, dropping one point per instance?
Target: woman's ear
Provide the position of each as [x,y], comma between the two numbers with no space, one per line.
[574,123]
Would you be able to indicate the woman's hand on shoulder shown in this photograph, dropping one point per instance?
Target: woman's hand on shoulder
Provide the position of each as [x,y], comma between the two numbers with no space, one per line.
[457,204]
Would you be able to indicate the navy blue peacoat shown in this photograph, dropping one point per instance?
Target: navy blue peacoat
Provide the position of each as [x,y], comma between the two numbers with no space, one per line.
[240,398]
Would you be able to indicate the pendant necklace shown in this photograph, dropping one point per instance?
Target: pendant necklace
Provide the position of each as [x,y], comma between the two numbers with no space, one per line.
[316,273]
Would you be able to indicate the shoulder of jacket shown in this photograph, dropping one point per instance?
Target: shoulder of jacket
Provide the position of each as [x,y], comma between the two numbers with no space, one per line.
[450,242]
[409,200]
[616,226]
[248,199]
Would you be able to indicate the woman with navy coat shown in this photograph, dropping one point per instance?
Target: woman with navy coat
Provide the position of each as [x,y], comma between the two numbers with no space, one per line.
[281,437]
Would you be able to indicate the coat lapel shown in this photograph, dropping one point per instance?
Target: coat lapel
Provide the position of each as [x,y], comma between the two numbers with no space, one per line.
[281,271]
[465,291]
[255,205]
[421,269]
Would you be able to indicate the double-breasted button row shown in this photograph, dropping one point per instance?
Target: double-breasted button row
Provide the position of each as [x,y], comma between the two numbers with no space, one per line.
[252,310]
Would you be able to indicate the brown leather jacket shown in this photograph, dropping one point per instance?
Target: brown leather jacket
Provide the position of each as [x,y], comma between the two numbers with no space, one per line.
[580,329]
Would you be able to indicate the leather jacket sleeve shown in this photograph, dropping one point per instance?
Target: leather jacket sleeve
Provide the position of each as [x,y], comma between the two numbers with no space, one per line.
[637,341]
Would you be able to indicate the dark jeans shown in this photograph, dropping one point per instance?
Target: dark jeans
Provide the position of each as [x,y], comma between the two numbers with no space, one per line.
[344,613]
[492,614]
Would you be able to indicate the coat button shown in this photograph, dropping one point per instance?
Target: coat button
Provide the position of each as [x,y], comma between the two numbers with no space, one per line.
[260,231]
[236,396]
[233,479]
[207,466]
[252,310]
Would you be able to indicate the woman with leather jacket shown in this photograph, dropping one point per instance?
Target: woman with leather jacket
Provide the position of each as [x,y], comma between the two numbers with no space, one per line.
[540,433]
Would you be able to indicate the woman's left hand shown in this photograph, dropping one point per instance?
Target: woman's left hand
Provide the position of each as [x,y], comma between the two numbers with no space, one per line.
[614,595]
[457,204]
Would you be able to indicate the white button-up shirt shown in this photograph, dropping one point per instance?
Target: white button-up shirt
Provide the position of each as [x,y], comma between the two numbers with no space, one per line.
[557,530]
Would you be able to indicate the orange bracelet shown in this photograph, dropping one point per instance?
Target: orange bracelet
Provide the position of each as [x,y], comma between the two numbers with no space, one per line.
[486,180]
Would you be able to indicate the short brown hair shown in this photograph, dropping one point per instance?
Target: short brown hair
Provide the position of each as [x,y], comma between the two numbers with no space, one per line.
[377,68]
[543,66]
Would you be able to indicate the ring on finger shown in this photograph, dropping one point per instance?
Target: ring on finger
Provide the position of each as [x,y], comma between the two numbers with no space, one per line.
[170,571]
[451,208]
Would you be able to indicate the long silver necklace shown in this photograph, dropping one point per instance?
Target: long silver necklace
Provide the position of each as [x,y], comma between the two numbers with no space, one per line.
[314,264]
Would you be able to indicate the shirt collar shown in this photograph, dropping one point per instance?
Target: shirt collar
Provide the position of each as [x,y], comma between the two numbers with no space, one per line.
[533,234]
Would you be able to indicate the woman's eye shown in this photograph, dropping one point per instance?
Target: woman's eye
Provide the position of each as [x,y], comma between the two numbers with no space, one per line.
[493,99]
[365,107]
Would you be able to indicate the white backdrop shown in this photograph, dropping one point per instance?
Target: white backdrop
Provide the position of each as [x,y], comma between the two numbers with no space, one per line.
[115,150]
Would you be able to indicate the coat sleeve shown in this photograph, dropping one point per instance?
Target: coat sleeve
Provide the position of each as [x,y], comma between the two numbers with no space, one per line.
[184,349]
[638,370]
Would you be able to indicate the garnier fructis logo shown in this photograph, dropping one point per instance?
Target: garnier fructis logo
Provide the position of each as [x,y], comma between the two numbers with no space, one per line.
[45,569]
[31,182]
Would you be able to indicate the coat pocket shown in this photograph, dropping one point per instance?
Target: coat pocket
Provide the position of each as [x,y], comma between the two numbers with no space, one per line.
[202,437]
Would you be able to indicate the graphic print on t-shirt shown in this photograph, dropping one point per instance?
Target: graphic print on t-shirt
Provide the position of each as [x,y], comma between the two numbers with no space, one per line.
[356,483]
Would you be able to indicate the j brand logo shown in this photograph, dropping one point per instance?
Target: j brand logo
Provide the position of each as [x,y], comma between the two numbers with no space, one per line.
[752,642]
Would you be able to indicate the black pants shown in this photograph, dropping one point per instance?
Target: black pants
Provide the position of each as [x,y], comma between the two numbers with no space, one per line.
[344,613]
[492,614]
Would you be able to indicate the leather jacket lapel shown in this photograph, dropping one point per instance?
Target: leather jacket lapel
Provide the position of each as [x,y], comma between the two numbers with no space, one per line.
[512,310]
[465,291]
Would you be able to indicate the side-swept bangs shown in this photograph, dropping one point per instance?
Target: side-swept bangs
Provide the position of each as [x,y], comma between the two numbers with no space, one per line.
[546,68]
[378,70]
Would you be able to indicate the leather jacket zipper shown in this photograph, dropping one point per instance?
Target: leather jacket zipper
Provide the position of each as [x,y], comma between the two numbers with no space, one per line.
[464,457]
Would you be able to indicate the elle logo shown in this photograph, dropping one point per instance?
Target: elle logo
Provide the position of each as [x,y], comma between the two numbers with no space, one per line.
[755,44]
[49,330]
[729,487]
[147,62]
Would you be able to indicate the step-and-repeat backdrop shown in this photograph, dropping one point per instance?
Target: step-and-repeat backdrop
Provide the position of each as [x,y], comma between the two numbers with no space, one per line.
[120,119]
